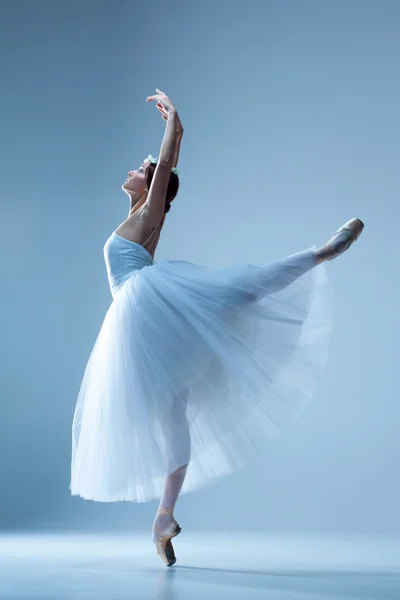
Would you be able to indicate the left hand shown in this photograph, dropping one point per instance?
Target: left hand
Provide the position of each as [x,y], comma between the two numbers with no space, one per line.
[163,100]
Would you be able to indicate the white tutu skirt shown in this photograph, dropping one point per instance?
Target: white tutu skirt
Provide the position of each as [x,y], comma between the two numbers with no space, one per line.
[197,366]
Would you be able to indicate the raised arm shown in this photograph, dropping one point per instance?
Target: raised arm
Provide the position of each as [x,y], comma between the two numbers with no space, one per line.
[179,130]
[155,203]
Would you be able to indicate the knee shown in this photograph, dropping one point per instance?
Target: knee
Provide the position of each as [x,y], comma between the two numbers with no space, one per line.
[175,472]
[182,470]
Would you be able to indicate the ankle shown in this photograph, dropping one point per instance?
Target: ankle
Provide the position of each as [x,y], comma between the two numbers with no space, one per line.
[320,256]
[164,516]
[161,522]
[165,511]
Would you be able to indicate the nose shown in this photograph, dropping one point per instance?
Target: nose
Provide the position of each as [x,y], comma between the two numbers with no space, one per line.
[130,173]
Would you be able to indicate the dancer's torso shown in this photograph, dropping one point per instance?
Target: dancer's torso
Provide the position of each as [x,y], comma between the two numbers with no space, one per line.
[123,257]
[130,247]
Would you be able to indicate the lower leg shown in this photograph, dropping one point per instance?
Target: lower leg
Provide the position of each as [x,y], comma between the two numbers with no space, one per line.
[172,489]
[278,275]
[292,267]
[177,452]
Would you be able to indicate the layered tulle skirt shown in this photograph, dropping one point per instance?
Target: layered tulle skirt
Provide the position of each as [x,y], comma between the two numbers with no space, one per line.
[197,366]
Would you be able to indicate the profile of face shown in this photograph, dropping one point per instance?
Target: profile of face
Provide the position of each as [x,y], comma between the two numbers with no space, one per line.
[135,185]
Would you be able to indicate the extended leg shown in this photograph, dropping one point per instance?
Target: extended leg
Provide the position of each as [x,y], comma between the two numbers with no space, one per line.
[281,273]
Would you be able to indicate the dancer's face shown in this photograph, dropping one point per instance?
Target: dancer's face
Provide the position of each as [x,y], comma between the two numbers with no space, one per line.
[136,182]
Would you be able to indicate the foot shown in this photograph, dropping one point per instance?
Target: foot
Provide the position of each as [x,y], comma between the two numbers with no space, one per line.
[341,240]
[164,529]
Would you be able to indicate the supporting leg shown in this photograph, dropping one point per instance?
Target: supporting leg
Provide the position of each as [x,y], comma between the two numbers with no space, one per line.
[177,452]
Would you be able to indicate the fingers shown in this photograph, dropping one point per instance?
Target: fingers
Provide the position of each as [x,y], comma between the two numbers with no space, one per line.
[163,112]
[154,97]
[157,96]
[164,104]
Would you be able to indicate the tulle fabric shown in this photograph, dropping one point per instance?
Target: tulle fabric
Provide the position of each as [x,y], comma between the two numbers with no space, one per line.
[200,366]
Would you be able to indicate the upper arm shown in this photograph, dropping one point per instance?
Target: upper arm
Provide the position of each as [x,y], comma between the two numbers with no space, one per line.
[155,203]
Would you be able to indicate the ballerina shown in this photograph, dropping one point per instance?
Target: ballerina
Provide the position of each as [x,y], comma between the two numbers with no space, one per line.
[194,369]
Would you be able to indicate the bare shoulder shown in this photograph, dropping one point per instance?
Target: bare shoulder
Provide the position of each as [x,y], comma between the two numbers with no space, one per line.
[137,227]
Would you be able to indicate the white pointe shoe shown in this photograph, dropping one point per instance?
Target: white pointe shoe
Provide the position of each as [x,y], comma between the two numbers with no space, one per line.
[162,539]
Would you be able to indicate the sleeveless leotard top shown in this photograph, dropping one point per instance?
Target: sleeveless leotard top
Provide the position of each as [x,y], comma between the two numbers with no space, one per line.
[123,258]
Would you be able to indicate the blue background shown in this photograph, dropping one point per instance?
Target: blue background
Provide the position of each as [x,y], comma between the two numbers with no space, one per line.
[291,116]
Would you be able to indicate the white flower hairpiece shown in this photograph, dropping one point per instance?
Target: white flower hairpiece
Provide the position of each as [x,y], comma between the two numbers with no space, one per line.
[154,161]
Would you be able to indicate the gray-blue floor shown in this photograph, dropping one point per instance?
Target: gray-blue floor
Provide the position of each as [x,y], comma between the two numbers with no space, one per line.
[210,567]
